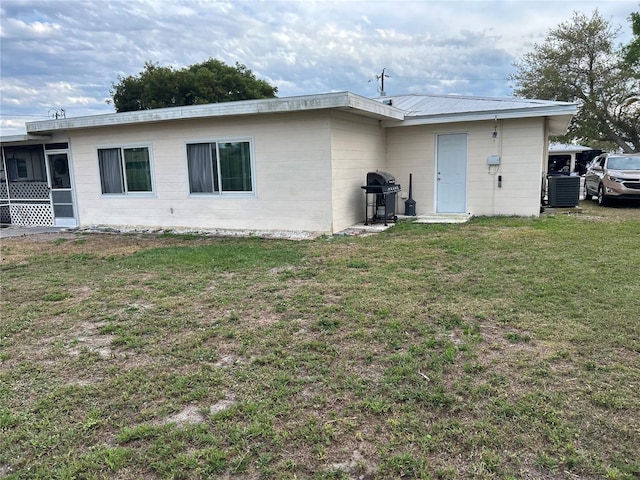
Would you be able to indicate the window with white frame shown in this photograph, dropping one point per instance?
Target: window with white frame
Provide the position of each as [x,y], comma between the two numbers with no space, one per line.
[125,170]
[220,167]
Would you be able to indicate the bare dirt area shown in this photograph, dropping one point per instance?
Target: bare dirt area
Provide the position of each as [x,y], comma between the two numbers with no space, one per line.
[95,244]
[619,211]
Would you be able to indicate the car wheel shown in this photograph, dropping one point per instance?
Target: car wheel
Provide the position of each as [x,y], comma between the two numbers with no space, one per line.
[587,195]
[603,201]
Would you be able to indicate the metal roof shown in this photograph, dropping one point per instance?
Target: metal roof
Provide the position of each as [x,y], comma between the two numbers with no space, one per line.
[557,147]
[393,111]
[423,109]
[417,105]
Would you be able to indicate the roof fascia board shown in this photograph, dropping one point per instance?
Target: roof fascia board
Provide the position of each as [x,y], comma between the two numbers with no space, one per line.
[546,111]
[373,107]
[22,138]
[339,100]
[569,150]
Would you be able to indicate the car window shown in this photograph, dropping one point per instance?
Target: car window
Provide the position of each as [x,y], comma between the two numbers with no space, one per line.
[624,163]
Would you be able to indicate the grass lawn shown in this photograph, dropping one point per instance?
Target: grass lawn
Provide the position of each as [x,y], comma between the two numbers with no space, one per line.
[502,348]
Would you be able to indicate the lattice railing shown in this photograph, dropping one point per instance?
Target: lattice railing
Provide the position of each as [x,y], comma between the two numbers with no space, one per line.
[5,216]
[26,214]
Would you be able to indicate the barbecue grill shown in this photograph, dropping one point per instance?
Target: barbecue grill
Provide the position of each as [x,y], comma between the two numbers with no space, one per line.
[380,197]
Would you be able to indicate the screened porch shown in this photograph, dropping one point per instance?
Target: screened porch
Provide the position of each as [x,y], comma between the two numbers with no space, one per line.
[35,186]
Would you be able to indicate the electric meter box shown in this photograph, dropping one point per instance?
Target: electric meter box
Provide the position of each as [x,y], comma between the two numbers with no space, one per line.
[493,160]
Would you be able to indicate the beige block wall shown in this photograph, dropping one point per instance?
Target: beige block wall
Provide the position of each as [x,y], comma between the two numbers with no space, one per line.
[520,144]
[308,170]
[357,147]
[522,147]
[411,150]
[291,154]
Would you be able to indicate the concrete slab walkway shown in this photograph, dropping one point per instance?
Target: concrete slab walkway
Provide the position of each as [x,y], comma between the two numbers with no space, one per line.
[7,231]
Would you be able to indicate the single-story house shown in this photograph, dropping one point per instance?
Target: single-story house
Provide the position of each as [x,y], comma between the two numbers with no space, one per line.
[292,163]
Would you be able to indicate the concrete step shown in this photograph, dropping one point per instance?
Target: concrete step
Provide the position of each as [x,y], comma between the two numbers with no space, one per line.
[443,218]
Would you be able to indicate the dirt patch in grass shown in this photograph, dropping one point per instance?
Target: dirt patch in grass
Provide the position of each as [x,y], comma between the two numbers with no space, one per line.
[15,249]
[189,415]
[467,351]
[621,211]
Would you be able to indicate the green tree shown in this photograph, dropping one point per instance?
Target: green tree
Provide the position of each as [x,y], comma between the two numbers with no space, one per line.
[632,51]
[578,62]
[211,81]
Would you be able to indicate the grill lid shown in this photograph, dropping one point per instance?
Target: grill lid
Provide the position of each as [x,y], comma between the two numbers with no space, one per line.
[380,178]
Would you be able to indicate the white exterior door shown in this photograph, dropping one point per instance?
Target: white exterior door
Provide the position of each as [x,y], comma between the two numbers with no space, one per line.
[61,191]
[451,178]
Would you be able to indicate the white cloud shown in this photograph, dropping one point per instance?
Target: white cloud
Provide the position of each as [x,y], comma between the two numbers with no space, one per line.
[28,31]
[14,124]
[68,53]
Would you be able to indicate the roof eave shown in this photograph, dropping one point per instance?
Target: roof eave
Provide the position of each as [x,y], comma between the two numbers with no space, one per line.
[340,100]
[559,124]
[563,148]
[22,138]
[530,112]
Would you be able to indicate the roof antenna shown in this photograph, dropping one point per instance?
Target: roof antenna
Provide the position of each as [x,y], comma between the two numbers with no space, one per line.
[57,113]
[381,77]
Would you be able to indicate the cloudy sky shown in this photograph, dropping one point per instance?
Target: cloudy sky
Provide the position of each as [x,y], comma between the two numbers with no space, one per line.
[66,54]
